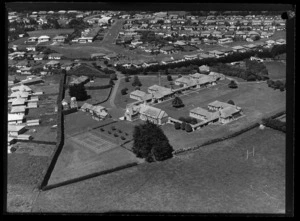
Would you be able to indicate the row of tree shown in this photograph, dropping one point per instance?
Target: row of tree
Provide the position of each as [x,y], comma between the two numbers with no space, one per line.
[277,85]
[275,124]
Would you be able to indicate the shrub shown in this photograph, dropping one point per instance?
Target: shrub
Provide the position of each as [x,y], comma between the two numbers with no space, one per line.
[126,134]
[124,91]
[120,131]
[127,79]
[169,78]
[116,135]
[13,149]
[183,125]
[177,125]
[113,127]
[231,102]
[102,129]
[109,132]
[188,128]
[123,138]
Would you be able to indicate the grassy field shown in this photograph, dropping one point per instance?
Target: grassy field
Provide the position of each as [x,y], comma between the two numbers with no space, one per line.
[216,178]
[266,101]
[276,69]
[79,157]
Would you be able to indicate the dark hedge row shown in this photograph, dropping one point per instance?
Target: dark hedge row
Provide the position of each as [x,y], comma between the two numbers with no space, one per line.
[274,123]
[216,140]
[98,87]
[70,111]
[60,133]
[37,141]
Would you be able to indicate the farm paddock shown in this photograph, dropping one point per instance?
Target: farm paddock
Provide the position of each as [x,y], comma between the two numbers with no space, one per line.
[214,179]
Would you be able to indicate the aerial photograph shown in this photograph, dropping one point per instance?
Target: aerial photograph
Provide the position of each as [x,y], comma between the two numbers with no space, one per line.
[165,111]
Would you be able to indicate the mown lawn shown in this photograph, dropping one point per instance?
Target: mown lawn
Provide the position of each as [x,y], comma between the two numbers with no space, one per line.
[214,179]
[276,69]
[255,99]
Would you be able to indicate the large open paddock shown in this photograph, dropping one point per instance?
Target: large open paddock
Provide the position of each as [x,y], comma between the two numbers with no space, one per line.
[256,99]
[215,178]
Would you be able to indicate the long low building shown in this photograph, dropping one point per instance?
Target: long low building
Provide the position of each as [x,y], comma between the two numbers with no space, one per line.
[15,118]
[15,130]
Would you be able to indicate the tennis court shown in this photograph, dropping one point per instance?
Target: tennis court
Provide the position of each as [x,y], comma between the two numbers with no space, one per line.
[93,142]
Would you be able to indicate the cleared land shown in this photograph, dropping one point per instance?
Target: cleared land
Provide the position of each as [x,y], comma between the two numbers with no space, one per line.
[216,178]
[276,69]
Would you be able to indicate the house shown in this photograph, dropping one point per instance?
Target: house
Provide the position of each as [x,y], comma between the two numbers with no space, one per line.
[159,93]
[218,105]
[206,81]
[55,56]
[39,57]
[167,60]
[15,130]
[250,47]
[217,76]
[238,49]
[204,69]
[140,95]
[228,114]
[32,81]
[59,39]
[191,57]
[15,118]
[153,114]
[225,40]
[111,56]
[217,34]
[204,115]
[97,112]
[22,88]
[26,70]
[197,76]
[18,109]
[51,64]
[85,39]
[280,42]
[167,50]
[226,51]
[204,56]
[32,39]
[216,53]
[19,101]
[67,66]
[16,54]
[185,81]
[43,38]
[97,55]
[30,48]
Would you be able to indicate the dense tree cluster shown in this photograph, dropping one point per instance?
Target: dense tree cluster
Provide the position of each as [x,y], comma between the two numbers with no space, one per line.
[275,124]
[78,91]
[277,84]
[151,143]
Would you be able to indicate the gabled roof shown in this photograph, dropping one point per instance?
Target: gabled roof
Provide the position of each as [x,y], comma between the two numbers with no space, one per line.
[228,111]
[18,109]
[138,93]
[22,87]
[153,112]
[13,117]
[14,128]
[86,106]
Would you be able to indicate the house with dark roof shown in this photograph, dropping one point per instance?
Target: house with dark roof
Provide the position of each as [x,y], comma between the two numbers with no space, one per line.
[153,114]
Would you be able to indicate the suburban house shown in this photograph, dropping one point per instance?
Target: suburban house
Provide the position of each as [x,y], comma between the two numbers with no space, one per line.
[238,49]
[43,38]
[15,130]
[97,112]
[250,47]
[30,48]
[85,39]
[19,101]
[59,39]
[159,93]
[55,56]
[226,51]
[204,115]
[32,39]
[15,118]
[39,57]
[51,64]
[167,50]
[18,110]
[186,81]
[153,114]
[225,40]
[22,88]
[216,53]
[167,60]
[97,55]
[140,95]
[204,69]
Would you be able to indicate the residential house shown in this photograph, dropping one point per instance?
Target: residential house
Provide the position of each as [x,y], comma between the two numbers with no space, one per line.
[85,39]
[15,118]
[280,42]
[21,88]
[238,49]
[167,60]
[51,64]
[226,51]
[225,40]
[204,115]
[167,49]
[30,48]
[140,95]
[43,38]
[55,56]
[153,114]
[39,57]
[216,53]
[18,110]
[14,130]
[228,114]
[59,39]
[32,39]
[250,47]
[18,101]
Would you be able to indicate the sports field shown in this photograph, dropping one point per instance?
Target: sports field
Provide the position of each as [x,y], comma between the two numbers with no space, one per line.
[214,179]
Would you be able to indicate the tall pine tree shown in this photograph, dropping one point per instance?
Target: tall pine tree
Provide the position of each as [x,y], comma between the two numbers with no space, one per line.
[78,91]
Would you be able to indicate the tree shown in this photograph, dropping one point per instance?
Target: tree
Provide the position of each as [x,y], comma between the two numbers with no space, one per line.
[127,79]
[78,91]
[177,125]
[150,142]
[113,77]
[183,125]
[124,91]
[136,81]
[169,78]
[105,62]
[177,102]
[232,84]
[111,82]
[45,26]
[188,128]
[231,102]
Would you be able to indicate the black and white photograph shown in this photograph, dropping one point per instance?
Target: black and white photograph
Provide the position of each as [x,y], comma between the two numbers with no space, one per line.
[148,108]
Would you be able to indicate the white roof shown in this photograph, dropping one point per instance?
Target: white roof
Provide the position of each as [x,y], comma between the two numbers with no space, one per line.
[18,109]
[18,101]
[15,128]
[14,117]
[44,36]
[22,87]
